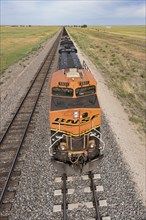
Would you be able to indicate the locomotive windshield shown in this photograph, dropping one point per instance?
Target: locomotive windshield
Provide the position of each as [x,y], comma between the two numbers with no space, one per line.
[88,90]
[57,91]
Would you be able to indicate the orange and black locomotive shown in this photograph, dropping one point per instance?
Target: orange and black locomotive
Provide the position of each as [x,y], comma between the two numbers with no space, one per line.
[75,115]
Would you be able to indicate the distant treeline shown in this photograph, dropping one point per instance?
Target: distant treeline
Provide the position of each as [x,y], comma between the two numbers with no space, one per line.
[82,26]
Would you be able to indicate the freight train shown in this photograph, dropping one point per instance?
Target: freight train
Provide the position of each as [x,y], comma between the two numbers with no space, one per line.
[75,113]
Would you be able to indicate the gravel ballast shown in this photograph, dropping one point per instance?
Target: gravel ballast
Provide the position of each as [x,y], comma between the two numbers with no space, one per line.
[35,194]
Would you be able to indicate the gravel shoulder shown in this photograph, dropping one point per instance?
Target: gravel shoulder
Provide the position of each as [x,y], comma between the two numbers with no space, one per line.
[132,146]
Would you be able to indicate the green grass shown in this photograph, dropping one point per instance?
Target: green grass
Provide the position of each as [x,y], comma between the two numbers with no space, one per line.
[135,120]
[122,65]
[18,42]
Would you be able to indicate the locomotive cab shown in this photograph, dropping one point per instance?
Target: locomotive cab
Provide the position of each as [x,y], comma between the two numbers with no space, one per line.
[75,116]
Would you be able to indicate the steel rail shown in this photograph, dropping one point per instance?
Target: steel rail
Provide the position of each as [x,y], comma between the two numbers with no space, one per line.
[95,200]
[53,49]
[64,191]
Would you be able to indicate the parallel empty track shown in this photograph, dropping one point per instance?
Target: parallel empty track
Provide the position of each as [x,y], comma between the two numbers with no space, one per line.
[13,138]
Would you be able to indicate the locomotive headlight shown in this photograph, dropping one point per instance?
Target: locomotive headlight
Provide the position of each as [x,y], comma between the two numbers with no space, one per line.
[92,144]
[76,114]
[62,146]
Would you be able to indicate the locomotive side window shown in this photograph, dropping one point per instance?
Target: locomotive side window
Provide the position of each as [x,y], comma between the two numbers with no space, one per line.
[57,91]
[88,90]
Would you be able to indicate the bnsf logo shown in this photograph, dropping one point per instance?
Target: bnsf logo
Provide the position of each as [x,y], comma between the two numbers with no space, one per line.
[72,122]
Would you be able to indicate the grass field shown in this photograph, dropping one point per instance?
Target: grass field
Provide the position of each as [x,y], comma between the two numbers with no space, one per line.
[135,30]
[123,67]
[17,42]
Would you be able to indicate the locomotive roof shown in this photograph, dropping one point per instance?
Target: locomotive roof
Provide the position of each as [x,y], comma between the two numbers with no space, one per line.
[72,75]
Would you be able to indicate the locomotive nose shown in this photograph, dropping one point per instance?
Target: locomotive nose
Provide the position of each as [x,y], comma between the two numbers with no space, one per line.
[75,121]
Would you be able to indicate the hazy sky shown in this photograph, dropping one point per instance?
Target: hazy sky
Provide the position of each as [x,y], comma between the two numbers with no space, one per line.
[58,12]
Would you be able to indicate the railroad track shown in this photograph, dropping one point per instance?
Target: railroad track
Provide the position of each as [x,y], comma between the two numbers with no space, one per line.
[95,205]
[12,140]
